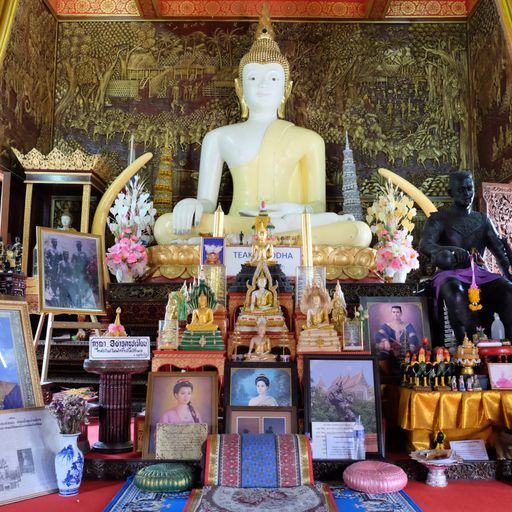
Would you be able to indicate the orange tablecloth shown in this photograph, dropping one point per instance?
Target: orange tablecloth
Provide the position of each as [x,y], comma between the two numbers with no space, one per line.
[460,415]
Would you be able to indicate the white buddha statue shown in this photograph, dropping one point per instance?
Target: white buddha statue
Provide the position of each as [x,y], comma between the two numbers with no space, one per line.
[269,159]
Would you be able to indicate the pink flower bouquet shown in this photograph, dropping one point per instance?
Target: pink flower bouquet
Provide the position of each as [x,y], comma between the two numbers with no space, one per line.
[127,258]
[395,253]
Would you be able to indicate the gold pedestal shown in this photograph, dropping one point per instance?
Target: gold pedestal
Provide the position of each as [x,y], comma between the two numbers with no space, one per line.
[181,261]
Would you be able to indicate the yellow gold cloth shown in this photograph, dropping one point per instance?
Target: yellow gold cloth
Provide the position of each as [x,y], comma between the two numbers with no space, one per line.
[460,415]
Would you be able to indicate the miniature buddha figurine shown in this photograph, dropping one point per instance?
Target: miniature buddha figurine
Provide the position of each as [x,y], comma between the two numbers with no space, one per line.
[269,159]
[202,316]
[263,240]
[260,346]
[317,332]
[168,328]
[261,301]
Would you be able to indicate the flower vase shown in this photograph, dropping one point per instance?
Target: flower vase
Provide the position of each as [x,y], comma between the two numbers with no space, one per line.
[69,465]
[400,276]
[124,276]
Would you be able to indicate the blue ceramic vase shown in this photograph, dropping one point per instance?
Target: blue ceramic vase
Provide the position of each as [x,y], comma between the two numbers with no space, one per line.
[69,465]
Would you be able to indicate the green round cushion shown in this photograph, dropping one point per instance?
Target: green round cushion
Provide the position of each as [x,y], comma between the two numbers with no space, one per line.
[165,477]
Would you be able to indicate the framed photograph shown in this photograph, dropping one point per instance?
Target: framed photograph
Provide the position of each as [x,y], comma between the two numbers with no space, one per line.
[179,398]
[72,206]
[394,326]
[70,272]
[341,393]
[19,376]
[500,375]
[261,420]
[260,384]
[352,335]
[212,251]
[28,443]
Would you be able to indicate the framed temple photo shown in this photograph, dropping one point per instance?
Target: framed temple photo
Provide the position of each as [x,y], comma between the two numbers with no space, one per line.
[341,393]
[500,375]
[260,384]
[179,398]
[261,420]
[395,325]
[212,251]
[19,376]
[70,272]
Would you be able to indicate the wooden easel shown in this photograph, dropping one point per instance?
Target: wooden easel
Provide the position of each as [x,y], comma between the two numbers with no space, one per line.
[52,324]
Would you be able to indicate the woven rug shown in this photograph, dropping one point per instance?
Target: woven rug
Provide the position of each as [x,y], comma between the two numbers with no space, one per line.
[305,498]
[131,499]
[355,501]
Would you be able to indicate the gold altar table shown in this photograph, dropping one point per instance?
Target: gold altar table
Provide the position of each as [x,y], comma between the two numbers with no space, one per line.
[189,360]
[460,415]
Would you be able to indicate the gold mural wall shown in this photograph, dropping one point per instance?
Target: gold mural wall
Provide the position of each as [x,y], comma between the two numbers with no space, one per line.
[401,91]
[27,81]
[491,79]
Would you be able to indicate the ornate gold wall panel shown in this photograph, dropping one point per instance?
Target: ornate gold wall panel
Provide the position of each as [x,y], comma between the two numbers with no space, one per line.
[491,76]
[27,81]
[399,89]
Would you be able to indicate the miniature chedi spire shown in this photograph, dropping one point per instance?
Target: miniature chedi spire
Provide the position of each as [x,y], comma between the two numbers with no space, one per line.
[351,198]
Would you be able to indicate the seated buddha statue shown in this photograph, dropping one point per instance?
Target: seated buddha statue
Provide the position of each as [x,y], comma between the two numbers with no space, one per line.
[261,301]
[260,346]
[318,334]
[202,316]
[269,159]
[202,333]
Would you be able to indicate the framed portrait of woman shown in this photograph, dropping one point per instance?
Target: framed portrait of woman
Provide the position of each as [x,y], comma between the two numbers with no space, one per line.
[19,377]
[260,384]
[179,398]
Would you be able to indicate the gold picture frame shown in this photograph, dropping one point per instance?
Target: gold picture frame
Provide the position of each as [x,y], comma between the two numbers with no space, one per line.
[71,283]
[19,376]
[203,399]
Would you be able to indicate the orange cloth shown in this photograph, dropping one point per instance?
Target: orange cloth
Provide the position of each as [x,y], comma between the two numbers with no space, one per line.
[470,413]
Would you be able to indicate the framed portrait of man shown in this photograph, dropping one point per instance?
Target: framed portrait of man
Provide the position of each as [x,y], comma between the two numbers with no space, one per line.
[395,325]
[179,398]
[70,272]
[19,376]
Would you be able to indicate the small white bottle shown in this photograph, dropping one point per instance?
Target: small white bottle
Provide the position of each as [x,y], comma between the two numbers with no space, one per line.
[359,440]
[497,328]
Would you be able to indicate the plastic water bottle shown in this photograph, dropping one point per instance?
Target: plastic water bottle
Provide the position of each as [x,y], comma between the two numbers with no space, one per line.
[497,328]
[360,451]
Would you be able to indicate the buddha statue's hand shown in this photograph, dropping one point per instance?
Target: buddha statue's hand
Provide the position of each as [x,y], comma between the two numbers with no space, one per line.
[188,212]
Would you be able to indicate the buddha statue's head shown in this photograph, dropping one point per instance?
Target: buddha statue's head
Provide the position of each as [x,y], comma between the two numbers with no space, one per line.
[202,300]
[263,73]
[262,282]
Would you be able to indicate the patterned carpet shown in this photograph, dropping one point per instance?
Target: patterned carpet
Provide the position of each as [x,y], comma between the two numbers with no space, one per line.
[215,499]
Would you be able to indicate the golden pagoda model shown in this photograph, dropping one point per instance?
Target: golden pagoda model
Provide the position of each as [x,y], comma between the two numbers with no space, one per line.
[261,302]
[467,356]
[318,333]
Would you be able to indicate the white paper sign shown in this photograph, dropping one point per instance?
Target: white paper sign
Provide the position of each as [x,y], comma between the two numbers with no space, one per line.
[119,348]
[288,257]
[28,444]
[331,440]
[470,450]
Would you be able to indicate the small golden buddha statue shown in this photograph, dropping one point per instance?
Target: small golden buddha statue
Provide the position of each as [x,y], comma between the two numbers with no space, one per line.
[339,308]
[263,240]
[261,346]
[317,332]
[202,316]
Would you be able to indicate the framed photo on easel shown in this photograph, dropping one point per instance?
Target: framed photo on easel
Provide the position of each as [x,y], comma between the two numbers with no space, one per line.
[70,272]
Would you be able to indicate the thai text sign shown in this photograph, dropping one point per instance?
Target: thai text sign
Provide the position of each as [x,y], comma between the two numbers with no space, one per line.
[122,347]
[288,257]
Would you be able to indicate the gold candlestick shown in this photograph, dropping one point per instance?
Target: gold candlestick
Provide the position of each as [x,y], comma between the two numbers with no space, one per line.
[307,244]
[218,222]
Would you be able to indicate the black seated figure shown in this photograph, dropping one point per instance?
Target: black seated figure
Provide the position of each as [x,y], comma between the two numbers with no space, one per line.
[449,238]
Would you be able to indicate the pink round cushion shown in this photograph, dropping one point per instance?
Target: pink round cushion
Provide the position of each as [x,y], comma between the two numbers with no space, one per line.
[374,477]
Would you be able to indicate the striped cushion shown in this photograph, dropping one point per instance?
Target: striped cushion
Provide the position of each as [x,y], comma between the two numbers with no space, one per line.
[258,460]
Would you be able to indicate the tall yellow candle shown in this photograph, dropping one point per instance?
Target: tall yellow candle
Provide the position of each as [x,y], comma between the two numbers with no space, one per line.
[307,243]
[218,222]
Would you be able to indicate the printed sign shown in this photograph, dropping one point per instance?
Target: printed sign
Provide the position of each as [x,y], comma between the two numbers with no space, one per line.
[288,257]
[122,347]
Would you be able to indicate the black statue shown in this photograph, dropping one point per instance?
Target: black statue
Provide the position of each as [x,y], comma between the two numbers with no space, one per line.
[449,238]
[342,402]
